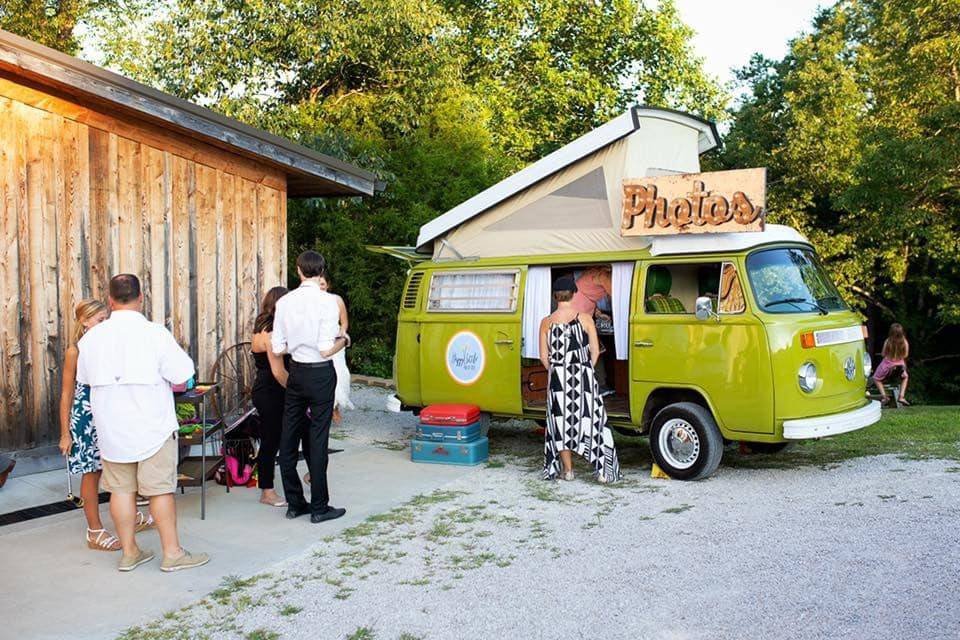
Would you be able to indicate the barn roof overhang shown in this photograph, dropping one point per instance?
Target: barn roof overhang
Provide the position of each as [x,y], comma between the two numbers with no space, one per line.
[309,174]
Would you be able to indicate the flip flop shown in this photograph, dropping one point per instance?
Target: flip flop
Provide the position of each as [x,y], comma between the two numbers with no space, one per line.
[279,503]
[904,402]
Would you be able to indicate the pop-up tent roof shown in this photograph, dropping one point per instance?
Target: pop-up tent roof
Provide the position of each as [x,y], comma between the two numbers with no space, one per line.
[570,200]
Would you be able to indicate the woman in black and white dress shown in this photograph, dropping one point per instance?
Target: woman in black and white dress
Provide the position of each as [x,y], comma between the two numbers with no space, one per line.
[576,417]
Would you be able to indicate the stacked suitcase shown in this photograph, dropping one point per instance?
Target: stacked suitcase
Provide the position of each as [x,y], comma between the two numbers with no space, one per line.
[450,434]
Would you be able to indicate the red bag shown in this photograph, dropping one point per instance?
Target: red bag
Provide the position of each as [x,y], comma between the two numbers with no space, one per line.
[450,414]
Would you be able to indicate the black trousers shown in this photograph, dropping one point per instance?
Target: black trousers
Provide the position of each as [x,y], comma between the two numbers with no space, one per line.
[269,402]
[307,388]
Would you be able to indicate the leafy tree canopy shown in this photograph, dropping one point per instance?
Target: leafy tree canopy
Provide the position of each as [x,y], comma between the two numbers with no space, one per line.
[859,125]
[440,97]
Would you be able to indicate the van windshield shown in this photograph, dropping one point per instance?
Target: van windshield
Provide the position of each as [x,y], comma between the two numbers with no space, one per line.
[791,281]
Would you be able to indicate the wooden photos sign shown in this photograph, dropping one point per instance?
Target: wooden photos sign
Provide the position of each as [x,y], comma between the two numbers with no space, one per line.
[714,202]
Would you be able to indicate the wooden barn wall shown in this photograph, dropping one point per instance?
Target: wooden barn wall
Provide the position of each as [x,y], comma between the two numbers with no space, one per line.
[84,196]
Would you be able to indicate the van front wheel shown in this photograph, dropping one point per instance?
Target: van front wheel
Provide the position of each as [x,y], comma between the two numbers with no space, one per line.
[685,441]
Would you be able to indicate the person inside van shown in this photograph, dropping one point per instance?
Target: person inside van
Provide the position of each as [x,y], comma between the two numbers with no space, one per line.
[594,288]
[576,416]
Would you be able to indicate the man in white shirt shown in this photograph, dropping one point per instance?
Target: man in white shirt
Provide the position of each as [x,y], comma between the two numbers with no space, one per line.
[130,363]
[306,325]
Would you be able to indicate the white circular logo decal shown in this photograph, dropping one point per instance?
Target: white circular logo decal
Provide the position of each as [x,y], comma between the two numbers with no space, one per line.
[465,357]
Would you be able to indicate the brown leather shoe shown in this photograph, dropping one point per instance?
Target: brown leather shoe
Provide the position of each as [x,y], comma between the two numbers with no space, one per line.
[6,472]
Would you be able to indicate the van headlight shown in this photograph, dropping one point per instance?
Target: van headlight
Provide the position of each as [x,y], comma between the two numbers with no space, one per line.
[808,376]
[867,364]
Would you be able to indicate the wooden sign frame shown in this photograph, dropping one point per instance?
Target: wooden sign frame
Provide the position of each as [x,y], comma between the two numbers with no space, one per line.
[712,202]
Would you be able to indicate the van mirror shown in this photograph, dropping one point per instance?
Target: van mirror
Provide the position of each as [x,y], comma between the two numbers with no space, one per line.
[704,308]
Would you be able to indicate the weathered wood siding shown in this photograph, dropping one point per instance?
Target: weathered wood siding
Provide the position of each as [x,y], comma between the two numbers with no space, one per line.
[85,195]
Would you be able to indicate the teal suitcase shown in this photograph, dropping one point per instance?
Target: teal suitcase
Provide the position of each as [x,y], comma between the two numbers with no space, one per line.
[463,453]
[448,433]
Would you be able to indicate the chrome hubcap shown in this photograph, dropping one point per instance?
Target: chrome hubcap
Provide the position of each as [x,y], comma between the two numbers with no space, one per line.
[679,443]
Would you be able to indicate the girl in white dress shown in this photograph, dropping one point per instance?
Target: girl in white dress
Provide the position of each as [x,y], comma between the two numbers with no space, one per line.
[341,400]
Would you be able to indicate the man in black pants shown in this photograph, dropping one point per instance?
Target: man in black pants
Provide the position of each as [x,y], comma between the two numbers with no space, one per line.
[307,326]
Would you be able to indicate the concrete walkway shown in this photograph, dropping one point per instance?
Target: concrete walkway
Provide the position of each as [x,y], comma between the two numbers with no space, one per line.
[54,587]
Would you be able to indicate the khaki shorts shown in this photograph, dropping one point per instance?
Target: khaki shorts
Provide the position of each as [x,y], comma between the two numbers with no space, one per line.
[154,476]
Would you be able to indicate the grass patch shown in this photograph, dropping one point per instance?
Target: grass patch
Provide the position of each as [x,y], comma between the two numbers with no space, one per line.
[913,433]
[680,509]
[544,491]
[390,445]
[232,585]
[362,633]
[262,634]
[441,529]
[289,610]
[435,498]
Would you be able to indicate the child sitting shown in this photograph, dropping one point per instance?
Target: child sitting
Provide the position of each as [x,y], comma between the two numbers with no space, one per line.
[895,352]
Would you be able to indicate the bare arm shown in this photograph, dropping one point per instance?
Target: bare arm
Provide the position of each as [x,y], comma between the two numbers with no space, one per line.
[276,363]
[67,390]
[544,354]
[338,345]
[344,320]
[591,330]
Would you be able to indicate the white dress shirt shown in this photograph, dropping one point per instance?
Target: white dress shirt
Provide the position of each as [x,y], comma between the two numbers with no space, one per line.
[306,322]
[130,363]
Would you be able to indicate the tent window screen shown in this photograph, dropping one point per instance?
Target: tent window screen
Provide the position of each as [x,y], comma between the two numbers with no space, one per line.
[486,291]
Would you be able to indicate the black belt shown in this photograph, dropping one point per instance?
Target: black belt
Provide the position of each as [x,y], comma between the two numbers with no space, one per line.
[311,365]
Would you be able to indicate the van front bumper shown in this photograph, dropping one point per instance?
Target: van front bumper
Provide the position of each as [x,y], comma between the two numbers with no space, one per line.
[833,424]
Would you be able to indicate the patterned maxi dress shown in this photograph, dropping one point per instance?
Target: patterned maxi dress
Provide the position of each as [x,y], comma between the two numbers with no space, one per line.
[576,417]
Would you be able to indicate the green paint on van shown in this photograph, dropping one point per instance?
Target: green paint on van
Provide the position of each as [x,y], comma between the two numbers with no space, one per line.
[743,367]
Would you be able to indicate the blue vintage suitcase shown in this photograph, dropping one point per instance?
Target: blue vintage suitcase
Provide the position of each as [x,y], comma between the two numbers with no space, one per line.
[466,453]
[448,433]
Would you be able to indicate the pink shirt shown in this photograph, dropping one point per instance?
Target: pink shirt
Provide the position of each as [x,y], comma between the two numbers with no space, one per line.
[589,290]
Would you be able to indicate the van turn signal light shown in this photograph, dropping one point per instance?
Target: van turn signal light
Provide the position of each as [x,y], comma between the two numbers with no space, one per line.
[807,340]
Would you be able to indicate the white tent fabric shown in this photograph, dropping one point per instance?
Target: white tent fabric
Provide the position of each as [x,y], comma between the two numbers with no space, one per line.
[622,281]
[536,307]
[578,208]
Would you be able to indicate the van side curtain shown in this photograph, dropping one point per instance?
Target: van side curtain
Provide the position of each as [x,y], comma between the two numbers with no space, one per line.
[622,277]
[536,307]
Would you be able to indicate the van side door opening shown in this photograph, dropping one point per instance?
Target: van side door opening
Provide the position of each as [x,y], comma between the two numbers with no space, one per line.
[612,373]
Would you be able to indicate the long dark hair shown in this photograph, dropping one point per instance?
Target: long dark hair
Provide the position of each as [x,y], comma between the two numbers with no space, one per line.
[264,321]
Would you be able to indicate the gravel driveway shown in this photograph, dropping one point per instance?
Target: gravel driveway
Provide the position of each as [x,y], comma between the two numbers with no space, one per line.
[864,549]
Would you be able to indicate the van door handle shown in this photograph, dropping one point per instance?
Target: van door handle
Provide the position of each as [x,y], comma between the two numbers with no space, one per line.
[643,343]
[503,341]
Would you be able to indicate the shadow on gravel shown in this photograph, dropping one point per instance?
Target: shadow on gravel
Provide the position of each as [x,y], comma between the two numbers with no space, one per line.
[913,433]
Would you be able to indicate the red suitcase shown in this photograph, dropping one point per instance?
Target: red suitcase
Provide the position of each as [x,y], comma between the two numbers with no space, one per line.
[450,414]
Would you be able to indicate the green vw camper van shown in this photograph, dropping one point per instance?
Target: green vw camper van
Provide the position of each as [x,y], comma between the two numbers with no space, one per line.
[705,338]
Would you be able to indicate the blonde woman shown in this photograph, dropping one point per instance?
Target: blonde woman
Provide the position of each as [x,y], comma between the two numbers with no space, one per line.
[78,435]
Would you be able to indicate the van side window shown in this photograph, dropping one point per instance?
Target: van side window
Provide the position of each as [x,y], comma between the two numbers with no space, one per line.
[483,291]
[674,288]
[731,293]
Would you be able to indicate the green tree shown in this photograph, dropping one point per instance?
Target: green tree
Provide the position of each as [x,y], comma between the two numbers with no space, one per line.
[555,69]
[859,125]
[440,98]
[49,22]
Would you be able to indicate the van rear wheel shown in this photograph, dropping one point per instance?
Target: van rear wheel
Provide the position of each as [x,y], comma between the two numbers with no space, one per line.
[685,441]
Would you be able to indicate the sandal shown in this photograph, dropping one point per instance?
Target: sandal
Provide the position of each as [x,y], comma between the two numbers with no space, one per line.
[144,522]
[904,402]
[104,541]
[279,502]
